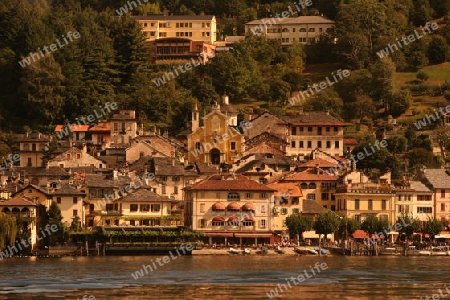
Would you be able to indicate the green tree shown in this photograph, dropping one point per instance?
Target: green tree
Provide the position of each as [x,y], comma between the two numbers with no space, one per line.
[297,224]
[54,217]
[326,223]
[412,226]
[437,50]
[8,230]
[433,227]
[422,76]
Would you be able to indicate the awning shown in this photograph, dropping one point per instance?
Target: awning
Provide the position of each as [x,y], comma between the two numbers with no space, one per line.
[218,206]
[311,235]
[218,234]
[218,219]
[442,236]
[360,234]
[233,219]
[248,219]
[248,206]
[233,206]
[253,235]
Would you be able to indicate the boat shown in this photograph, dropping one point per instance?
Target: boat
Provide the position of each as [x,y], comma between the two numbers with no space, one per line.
[234,251]
[390,251]
[300,251]
[425,252]
[279,250]
[247,251]
[312,251]
[322,251]
[439,251]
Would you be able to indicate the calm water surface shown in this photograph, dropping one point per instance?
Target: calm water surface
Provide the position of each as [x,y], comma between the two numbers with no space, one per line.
[223,277]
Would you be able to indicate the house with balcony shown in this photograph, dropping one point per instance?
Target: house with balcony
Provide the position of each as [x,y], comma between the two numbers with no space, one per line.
[71,202]
[230,209]
[33,147]
[302,29]
[359,200]
[314,130]
[438,180]
[288,200]
[414,199]
[123,130]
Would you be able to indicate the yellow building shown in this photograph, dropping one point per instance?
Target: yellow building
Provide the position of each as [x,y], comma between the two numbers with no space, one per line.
[196,28]
[288,201]
[360,200]
[303,29]
[230,208]
[32,149]
[217,141]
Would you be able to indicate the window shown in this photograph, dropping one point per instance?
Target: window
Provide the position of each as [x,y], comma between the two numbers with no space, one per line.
[312,185]
[309,129]
[423,197]
[58,200]
[356,203]
[175,190]
[263,208]
[302,29]
[233,145]
[442,206]
[75,200]
[218,223]
[218,196]
[325,196]
[163,189]
[262,223]
[304,185]
[424,210]
[383,204]
[175,178]
[292,144]
[328,144]
[300,144]
[311,196]
[293,29]
[144,207]
[327,129]
[163,178]
[309,144]
[109,207]
[294,131]
[132,222]
[336,144]
[284,211]
[370,204]
[33,147]
[68,156]
[233,196]
[442,193]
[202,223]
[78,155]
[197,145]
[202,207]
[301,129]
[133,207]
[248,223]
[319,144]
[29,163]
[155,207]
[263,195]
[75,213]
[312,30]
[336,129]
[248,195]
[295,211]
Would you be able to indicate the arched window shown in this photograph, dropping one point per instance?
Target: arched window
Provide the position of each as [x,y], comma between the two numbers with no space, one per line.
[312,185]
[285,30]
[312,30]
[304,185]
[302,29]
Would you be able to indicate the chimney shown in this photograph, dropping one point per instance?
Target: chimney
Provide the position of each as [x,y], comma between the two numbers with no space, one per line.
[195,118]
[225,99]
[317,168]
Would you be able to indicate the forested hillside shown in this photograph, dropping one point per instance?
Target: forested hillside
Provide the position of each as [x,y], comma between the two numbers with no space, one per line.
[111,61]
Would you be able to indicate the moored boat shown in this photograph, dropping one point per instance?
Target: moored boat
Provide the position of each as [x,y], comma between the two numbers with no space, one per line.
[390,251]
[279,250]
[234,251]
[247,251]
[425,252]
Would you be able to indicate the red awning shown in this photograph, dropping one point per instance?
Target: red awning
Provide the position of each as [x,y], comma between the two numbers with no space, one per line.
[218,206]
[231,219]
[360,234]
[233,206]
[218,219]
[248,206]
[248,219]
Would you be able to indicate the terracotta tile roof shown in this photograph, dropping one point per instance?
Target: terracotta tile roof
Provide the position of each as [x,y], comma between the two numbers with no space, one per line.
[228,182]
[19,200]
[250,161]
[143,195]
[166,166]
[312,207]
[277,177]
[318,118]
[43,171]
[74,128]
[283,187]
[310,175]
[350,142]
[100,180]
[321,163]
[102,126]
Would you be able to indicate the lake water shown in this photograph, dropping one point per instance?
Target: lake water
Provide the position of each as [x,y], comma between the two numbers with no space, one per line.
[224,277]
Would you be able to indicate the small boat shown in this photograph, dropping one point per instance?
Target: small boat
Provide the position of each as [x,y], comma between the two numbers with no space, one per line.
[322,251]
[312,251]
[234,251]
[439,251]
[300,251]
[425,252]
[247,251]
[390,251]
[279,250]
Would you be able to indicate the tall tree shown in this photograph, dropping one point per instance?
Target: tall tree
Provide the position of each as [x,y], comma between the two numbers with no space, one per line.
[326,223]
[297,224]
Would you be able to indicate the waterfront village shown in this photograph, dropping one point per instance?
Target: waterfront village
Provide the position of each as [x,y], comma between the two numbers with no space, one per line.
[221,184]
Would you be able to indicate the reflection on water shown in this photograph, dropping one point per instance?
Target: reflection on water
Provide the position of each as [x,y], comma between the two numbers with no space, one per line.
[223,277]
